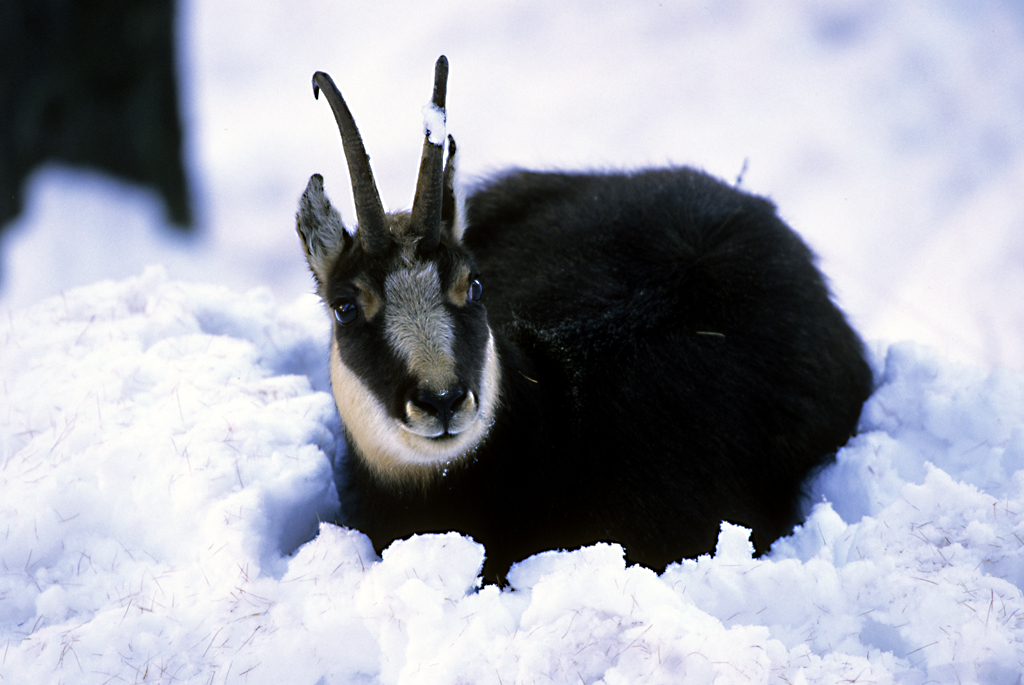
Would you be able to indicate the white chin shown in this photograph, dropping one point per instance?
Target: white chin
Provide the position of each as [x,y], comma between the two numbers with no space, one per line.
[434,445]
[429,433]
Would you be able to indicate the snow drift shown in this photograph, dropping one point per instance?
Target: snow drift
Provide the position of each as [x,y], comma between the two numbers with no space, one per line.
[166,478]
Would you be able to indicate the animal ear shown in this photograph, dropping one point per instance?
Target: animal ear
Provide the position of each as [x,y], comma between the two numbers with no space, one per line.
[452,209]
[320,229]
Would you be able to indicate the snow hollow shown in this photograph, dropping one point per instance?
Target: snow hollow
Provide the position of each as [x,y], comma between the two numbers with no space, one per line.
[166,478]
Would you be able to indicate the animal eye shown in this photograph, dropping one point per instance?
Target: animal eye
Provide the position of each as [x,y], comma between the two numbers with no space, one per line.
[345,312]
[475,290]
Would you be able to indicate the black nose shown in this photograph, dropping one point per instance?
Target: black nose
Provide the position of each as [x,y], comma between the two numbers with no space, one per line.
[441,404]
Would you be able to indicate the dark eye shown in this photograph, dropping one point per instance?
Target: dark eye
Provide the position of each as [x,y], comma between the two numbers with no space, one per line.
[475,290]
[345,312]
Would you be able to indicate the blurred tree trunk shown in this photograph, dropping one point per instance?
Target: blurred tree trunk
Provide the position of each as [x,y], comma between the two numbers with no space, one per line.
[90,83]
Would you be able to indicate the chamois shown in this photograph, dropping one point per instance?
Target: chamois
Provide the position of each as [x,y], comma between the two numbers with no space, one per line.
[575,357]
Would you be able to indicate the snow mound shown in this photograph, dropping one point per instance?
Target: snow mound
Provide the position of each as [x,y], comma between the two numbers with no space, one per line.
[167,459]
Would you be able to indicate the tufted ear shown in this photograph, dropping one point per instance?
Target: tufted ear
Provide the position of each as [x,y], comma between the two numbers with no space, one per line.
[319,225]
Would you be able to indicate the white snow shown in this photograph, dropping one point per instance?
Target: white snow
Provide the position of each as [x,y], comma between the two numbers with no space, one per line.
[890,135]
[167,456]
[434,124]
[167,446]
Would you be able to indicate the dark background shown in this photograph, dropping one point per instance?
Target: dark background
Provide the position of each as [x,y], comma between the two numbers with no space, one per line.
[91,83]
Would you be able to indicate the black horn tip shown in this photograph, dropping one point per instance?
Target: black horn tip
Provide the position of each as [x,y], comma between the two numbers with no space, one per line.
[440,81]
[319,77]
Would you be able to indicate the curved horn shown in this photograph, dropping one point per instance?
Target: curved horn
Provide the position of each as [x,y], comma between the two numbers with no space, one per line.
[426,206]
[369,210]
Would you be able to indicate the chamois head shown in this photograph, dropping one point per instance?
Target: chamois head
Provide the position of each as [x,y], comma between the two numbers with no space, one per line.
[413,364]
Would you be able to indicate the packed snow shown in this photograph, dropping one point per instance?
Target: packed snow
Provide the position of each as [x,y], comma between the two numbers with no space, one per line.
[168,439]
[168,497]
